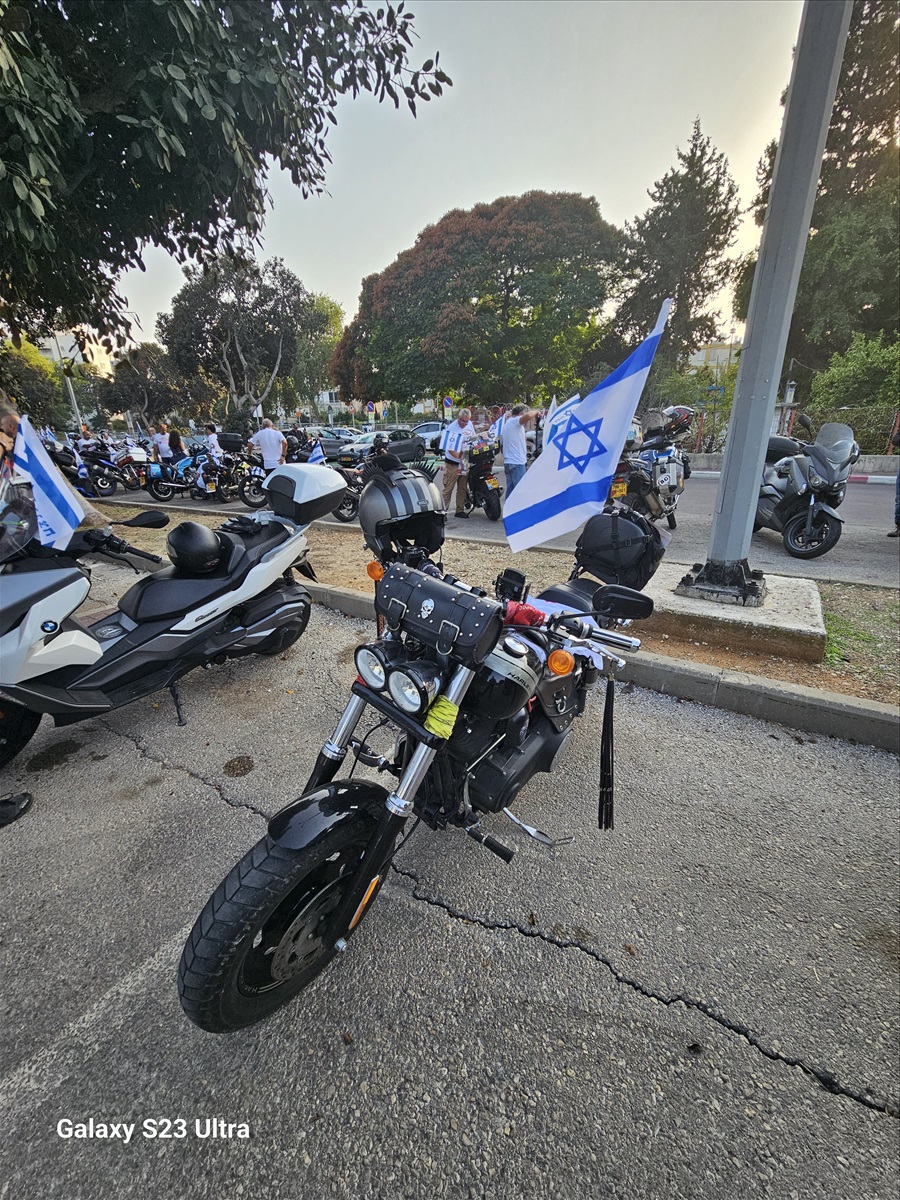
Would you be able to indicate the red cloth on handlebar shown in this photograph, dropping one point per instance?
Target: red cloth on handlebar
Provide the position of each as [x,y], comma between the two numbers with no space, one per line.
[517,613]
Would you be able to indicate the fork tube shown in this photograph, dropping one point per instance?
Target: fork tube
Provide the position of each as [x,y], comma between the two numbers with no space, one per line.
[330,757]
[397,810]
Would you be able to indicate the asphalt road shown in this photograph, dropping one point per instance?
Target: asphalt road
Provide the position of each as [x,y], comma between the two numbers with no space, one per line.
[863,555]
[699,1004]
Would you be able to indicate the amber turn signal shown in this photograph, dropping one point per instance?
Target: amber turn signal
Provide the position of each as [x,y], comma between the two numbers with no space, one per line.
[560,662]
[375,571]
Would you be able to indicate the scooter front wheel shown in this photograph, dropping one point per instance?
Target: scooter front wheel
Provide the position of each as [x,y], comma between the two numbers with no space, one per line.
[826,532]
[252,492]
[348,507]
[263,935]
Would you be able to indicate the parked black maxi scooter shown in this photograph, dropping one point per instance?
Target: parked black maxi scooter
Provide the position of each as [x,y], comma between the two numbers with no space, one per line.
[483,691]
[802,486]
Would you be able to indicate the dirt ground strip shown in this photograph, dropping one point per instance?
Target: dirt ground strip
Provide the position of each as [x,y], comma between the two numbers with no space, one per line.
[862,656]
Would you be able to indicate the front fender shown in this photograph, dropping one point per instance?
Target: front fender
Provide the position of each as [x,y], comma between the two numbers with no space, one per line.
[825,508]
[305,820]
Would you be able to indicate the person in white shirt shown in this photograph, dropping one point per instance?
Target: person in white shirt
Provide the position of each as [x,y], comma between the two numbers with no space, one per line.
[161,450]
[455,441]
[212,443]
[271,443]
[515,448]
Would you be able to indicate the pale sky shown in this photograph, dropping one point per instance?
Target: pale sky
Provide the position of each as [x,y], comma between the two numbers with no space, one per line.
[589,96]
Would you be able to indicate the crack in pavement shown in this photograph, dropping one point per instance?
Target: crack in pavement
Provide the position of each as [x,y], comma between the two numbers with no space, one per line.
[162,762]
[825,1079]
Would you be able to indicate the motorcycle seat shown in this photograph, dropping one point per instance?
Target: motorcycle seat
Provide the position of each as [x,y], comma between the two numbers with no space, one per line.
[576,594]
[171,592]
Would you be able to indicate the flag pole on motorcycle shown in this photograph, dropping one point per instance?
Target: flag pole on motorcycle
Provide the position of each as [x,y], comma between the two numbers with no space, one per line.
[569,482]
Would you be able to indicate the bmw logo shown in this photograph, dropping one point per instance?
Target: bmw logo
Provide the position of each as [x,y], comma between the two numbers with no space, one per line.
[49,627]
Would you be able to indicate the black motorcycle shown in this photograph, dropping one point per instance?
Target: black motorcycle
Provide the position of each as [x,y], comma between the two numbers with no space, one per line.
[483,489]
[483,692]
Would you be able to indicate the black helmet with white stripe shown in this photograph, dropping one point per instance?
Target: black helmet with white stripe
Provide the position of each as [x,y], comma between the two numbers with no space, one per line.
[400,508]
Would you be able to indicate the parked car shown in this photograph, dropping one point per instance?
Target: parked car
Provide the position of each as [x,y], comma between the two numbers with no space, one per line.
[401,442]
[428,429]
[332,443]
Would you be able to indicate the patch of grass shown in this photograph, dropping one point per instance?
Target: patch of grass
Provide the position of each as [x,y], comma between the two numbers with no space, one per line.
[844,638]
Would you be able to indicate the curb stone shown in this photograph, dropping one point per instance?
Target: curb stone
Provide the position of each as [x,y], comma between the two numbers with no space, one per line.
[811,710]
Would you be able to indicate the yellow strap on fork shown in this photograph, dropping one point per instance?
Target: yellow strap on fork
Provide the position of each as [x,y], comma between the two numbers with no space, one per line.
[441,717]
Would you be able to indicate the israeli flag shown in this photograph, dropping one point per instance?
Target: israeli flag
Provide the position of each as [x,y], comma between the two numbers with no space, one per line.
[57,510]
[79,463]
[570,480]
[317,455]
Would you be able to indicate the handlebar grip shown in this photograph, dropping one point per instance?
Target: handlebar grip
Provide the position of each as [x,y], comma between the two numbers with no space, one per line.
[143,554]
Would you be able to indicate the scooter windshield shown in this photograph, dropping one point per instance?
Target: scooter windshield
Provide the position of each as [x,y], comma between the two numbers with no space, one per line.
[18,522]
[837,443]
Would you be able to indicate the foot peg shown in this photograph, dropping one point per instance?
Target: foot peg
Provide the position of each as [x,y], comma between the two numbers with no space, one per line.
[539,836]
[490,843]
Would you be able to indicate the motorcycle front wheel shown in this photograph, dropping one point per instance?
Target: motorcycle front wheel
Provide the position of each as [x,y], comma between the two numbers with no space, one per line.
[261,937]
[348,507]
[252,492]
[825,535]
[130,480]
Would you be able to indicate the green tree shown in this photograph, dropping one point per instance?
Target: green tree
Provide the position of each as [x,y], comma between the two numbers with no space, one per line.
[849,279]
[678,249]
[498,301]
[239,323]
[33,385]
[314,347]
[124,124]
[350,367]
[861,388]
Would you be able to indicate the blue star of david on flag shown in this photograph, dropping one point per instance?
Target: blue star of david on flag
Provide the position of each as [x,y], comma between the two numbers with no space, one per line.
[570,479]
[584,437]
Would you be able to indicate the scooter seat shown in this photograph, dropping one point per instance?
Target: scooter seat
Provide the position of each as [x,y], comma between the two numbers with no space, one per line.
[781,447]
[576,594]
[172,592]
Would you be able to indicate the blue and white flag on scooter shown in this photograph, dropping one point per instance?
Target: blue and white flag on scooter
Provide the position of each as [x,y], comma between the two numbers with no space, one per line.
[56,506]
[79,463]
[317,454]
[570,480]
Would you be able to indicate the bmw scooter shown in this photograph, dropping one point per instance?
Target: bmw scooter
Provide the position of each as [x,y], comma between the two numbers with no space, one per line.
[227,594]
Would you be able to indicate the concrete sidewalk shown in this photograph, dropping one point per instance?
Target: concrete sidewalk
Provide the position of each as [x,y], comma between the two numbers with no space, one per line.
[810,709]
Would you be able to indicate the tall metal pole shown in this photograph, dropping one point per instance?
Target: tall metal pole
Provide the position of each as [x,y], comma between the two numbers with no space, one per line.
[69,384]
[726,575]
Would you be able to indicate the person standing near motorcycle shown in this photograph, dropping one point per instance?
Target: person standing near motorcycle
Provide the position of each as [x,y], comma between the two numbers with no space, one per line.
[271,443]
[455,441]
[515,447]
[162,451]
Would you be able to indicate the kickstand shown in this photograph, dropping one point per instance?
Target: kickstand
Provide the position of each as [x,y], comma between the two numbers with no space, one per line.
[176,700]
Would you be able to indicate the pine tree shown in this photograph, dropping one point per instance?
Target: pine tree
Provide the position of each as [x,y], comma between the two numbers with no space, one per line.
[678,249]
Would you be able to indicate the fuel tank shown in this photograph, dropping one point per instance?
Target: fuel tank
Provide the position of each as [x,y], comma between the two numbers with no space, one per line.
[506,680]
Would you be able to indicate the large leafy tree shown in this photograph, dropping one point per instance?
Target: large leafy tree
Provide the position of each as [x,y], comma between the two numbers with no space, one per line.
[314,347]
[497,302]
[351,368]
[152,121]
[678,249]
[848,283]
[33,385]
[239,323]
[148,384]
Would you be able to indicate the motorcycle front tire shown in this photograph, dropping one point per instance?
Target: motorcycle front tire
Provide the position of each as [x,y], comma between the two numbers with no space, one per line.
[252,492]
[131,481]
[826,535]
[17,728]
[348,507]
[258,942]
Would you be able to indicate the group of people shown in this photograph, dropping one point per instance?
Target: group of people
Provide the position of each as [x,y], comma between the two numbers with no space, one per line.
[508,428]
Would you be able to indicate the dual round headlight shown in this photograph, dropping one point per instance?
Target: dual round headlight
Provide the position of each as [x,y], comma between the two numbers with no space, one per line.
[412,685]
